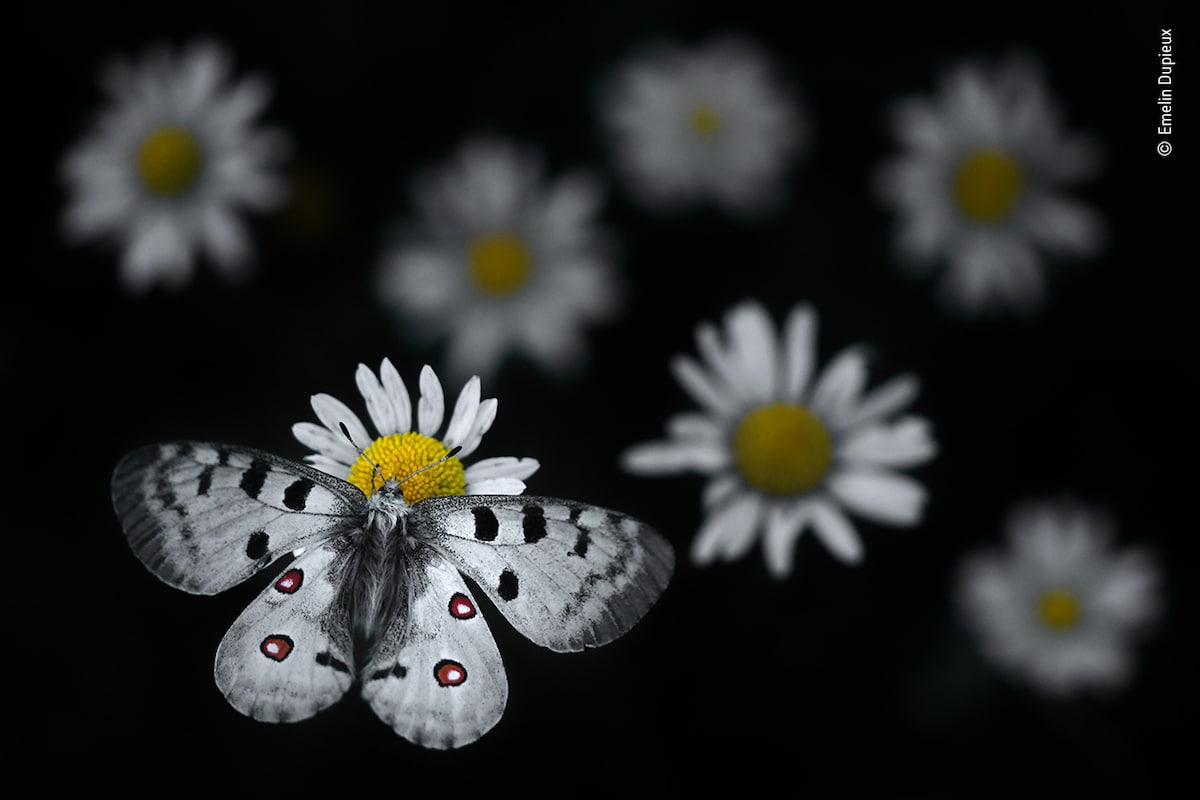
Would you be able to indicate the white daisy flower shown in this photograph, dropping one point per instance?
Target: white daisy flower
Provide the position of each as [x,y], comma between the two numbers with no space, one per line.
[1060,609]
[786,449]
[169,163]
[709,124]
[399,450]
[502,262]
[979,187]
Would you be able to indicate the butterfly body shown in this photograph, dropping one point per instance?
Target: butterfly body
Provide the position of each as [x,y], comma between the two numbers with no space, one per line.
[376,594]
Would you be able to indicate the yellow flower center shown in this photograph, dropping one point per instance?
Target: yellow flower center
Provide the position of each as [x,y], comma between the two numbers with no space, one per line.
[704,120]
[499,263]
[782,449]
[402,456]
[168,161]
[1059,609]
[987,184]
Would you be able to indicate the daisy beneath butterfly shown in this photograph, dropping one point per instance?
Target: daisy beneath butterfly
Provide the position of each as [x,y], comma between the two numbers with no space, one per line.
[171,164]
[786,448]
[1059,607]
[398,449]
[500,262]
[979,188]
[711,124]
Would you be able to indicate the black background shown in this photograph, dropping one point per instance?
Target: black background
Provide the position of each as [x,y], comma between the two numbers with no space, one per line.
[838,680]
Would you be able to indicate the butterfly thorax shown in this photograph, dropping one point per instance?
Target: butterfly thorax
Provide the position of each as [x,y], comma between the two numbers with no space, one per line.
[376,587]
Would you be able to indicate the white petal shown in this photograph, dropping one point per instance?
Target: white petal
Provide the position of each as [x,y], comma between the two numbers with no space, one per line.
[880,496]
[729,531]
[694,427]
[463,418]
[324,441]
[702,389]
[720,488]
[379,404]
[501,467]
[333,413]
[329,465]
[431,408]
[785,523]
[753,351]
[673,456]
[799,352]
[393,384]
[836,532]
[837,390]
[904,443]
[884,400]
[498,486]
[484,417]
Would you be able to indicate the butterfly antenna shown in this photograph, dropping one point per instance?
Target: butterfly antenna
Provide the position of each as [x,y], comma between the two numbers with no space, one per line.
[441,460]
[363,453]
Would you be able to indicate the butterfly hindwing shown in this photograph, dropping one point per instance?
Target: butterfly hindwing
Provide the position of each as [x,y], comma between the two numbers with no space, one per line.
[567,575]
[290,652]
[204,517]
[436,675]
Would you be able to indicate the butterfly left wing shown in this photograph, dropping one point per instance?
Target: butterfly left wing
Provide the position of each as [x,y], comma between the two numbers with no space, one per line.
[204,517]
[290,653]
[567,575]
[436,676]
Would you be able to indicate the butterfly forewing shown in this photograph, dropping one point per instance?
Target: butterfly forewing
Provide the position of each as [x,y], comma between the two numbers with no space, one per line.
[566,575]
[436,676]
[204,517]
[290,653]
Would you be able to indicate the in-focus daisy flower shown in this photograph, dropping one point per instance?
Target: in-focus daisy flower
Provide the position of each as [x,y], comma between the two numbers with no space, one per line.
[979,187]
[713,123]
[399,450]
[1060,608]
[499,261]
[786,449]
[171,163]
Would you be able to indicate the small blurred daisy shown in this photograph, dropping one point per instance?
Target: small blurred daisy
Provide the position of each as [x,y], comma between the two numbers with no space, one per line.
[1060,608]
[712,123]
[170,162]
[400,450]
[786,449]
[979,187]
[501,262]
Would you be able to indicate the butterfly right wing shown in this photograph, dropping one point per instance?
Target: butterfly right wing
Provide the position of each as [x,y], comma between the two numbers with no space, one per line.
[290,653]
[204,517]
[436,675]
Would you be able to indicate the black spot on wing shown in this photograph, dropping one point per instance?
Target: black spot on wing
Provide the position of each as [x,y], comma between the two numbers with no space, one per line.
[328,659]
[254,478]
[398,671]
[223,457]
[581,543]
[205,481]
[256,545]
[295,496]
[487,527]
[533,523]
[507,587]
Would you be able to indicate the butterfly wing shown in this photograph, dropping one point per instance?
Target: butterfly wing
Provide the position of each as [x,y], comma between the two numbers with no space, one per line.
[204,517]
[290,653]
[567,575]
[436,675]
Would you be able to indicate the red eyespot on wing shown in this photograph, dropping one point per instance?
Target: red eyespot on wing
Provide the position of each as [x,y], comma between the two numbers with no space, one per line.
[449,673]
[276,647]
[461,606]
[290,581]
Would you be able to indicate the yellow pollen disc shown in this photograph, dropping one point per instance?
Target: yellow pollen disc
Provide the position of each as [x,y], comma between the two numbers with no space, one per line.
[168,161]
[399,456]
[782,449]
[987,184]
[499,263]
[704,120]
[1059,609]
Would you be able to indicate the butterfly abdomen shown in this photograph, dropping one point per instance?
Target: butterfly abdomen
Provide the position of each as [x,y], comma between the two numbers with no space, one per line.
[375,587]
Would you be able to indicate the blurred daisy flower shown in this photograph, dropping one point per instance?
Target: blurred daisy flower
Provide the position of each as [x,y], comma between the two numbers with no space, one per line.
[399,450]
[786,449]
[979,187]
[707,124]
[1060,608]
[500,261]
[170,163]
